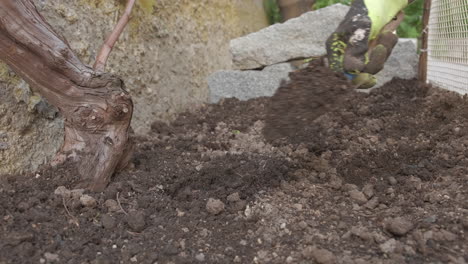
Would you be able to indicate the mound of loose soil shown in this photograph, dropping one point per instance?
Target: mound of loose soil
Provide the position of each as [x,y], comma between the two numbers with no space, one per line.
[382,178]
[312,92]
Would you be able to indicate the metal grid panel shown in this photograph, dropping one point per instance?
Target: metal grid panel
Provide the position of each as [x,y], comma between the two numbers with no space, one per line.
[447,64]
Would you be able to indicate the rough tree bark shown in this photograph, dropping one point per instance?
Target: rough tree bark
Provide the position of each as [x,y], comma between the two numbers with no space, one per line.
[95,105]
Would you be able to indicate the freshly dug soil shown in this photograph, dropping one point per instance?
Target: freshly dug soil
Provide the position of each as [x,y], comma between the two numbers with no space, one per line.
[316,174]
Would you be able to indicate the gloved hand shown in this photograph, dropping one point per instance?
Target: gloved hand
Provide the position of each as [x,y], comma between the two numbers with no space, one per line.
[364,40]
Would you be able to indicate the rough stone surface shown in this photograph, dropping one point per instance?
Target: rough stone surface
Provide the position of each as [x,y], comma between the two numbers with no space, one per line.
[245,85]
[300,37]
[164,56]
[249,84]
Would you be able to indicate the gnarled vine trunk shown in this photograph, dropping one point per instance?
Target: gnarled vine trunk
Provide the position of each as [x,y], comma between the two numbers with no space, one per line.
[95,106]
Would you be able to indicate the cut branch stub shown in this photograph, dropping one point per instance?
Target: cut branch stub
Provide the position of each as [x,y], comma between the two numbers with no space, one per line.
[95,105]
[106,48]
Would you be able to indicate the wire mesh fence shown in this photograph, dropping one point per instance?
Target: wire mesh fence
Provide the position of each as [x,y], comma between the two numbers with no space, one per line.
[447,64]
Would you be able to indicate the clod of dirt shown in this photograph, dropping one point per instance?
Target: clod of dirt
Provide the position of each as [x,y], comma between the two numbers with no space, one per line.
[108,221]
[321,256]
[312,92]
[358,197]
[88,201]
[112,205]
[77,193]
[389,246]
[62,191]
[368,191]
[234,197]
[398,226]
[136,220]
[214,206]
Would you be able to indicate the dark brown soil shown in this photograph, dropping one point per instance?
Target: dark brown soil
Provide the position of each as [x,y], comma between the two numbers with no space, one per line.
[356,178]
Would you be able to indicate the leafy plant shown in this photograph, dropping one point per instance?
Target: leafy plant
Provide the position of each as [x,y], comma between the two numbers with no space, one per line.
[411,27]
[272,10]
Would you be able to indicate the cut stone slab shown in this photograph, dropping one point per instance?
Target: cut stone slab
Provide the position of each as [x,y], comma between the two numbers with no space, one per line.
[301,37]
[245,85]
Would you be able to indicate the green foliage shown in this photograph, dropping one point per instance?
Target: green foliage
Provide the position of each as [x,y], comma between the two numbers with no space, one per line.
[411,27]
[272,10]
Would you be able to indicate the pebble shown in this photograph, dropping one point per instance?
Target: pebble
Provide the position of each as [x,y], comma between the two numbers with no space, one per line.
[233,197]
[112,205]
[303,225]
[214,206]
[108,221]
[200,257]
[298,206]
[358,197]
[88,201]
[51,257]
[392,180]
[398,226]
[136,221]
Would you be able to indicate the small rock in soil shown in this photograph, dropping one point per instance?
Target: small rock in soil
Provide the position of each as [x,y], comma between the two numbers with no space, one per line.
[392,180]
[112,205]
[108,221]
[136,221]
[200,257]
[214,206]
[358,197]
[88,201]
[398,226]
[51,257]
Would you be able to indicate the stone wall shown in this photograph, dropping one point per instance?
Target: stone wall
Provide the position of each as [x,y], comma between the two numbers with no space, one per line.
[164,57]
